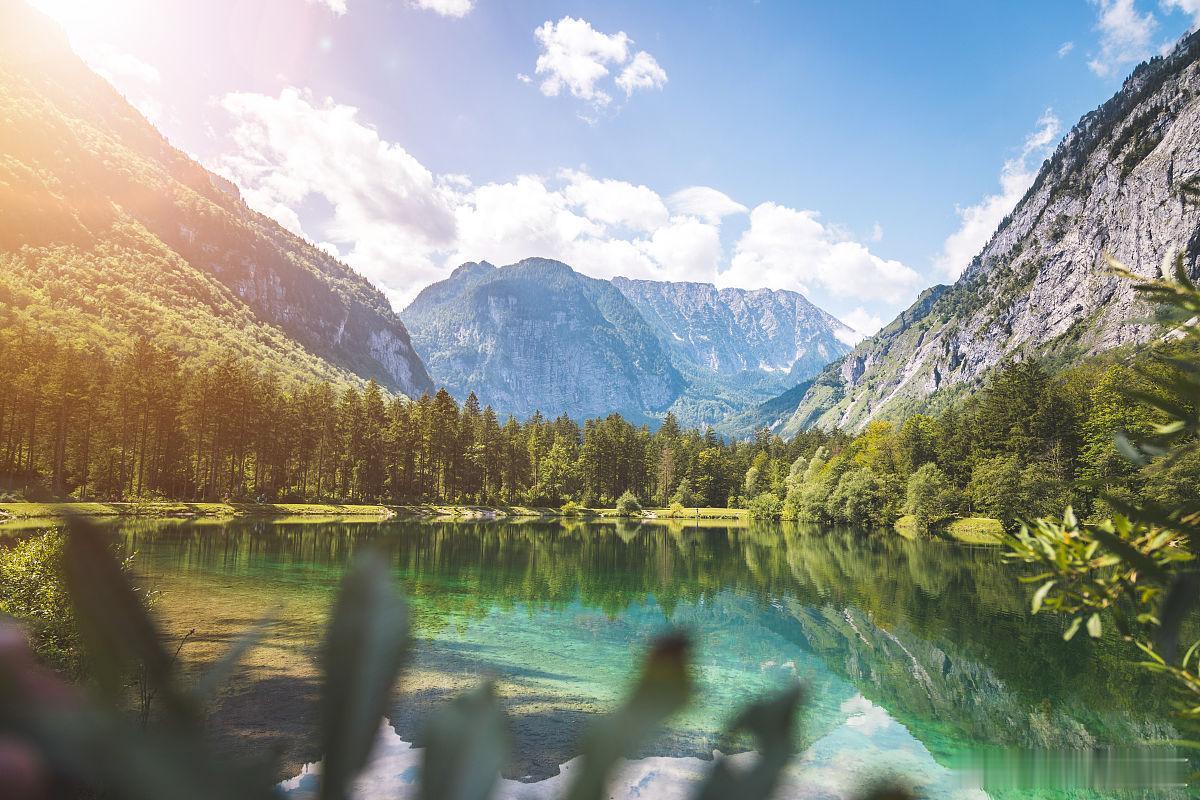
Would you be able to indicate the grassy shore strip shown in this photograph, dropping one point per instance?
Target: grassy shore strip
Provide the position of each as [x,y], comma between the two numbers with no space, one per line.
[975,530]
[50,511]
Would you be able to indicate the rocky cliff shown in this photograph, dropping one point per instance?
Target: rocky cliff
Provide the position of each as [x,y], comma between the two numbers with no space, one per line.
[736,347]
[1125,181]
[108,232]
[537,335]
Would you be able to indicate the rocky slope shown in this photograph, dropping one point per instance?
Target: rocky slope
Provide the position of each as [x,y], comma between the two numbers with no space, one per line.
[1125,181]
[537,335]
[108,232]
[736,347]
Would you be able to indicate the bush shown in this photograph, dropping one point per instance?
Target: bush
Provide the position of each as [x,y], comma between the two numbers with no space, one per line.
[628,505]
[32,590]
[677,510]
[569,509]
[929,496]
[765,505]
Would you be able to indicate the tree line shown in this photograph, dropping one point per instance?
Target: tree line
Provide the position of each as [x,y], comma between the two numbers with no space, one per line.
[79,423]
[1030,443]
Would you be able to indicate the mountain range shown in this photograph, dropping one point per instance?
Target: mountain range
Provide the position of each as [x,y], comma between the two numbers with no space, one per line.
[539,336]
[1125,183]
[107,233]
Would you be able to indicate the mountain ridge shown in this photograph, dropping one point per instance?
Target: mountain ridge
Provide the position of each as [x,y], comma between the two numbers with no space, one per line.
[492,330]
[108,232]
[1122,182]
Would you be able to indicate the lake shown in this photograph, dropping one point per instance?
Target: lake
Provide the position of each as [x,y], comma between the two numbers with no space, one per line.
[915,655]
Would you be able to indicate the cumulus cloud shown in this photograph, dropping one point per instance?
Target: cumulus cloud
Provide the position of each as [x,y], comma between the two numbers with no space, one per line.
[1190,7]
[978,222]
[863,322]
[404,227]
[642,72]
[706,203]
[579,59]
[387,209]
[1126,37]
[787,247]
[136,79]
[447,8]
[336,6]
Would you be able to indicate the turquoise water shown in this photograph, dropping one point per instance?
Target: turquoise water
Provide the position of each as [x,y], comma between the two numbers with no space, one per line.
[914,654]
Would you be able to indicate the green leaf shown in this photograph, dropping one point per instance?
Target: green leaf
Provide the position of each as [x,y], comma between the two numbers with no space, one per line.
[1129,553]
[772,724]
[465,746]
[113,623]
[1040,595]
[363,653]
[663,689]
[1180,600]
[1072,629]
[1093,626]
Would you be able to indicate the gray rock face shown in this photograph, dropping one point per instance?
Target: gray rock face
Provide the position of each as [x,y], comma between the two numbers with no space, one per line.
[539,336]
[1125,182]
[736,347]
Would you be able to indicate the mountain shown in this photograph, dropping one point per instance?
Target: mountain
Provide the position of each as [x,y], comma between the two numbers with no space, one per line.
[108,232]
[736,347]
[537,335]
[1125,182]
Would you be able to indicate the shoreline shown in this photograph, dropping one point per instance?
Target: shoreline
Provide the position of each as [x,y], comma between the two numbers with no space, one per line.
[56,511]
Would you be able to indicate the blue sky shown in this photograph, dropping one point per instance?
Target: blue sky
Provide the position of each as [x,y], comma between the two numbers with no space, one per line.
[854,151]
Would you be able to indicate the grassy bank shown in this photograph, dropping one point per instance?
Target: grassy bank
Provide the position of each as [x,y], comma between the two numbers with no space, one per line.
[968,530]
[10,512]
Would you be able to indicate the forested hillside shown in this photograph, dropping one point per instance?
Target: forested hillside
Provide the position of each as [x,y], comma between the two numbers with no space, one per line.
[144,425]
[108,233]
[1123,183]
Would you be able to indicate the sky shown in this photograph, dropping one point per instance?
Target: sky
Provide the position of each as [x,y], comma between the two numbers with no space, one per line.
[857,152]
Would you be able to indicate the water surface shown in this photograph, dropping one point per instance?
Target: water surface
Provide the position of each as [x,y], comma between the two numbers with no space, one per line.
[913,653]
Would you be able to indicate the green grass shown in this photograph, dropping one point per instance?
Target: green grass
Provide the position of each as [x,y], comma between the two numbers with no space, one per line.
[27,511]
[908,527]
[975,530]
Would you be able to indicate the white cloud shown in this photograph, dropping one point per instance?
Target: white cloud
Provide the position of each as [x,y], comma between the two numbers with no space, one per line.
[1191,7]
[447,8]
[404,227]
[979,221]
[578,58]
[863,322]
[1125,36]
[643,72]
[784,247]
[1065,48]
[616,202]
[706,203]
[136,79]
[336,6]
[388,209]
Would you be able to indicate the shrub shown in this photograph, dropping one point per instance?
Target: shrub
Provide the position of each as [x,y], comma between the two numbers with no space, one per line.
[628,505]
[569,509]
[929,496]
[765,505]
[32,591]
[677,510]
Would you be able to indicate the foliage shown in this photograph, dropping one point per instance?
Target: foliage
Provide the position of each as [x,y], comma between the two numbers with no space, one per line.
[1135,567]
[929,496]
[628,505]
[32,591]
[765,505]
[91,744]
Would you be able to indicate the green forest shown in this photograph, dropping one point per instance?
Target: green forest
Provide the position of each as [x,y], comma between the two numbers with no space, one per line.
[147,424]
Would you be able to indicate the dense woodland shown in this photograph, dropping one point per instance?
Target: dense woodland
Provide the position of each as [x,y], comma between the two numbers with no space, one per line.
[76,423]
